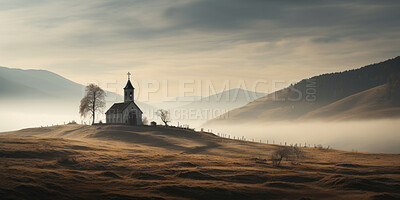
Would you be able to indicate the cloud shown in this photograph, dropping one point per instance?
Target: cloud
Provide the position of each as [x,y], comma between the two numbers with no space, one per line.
[98,23]
[283,19]
[202,39]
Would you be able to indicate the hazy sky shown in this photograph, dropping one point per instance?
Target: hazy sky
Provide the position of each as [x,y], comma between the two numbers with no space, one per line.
[212,40]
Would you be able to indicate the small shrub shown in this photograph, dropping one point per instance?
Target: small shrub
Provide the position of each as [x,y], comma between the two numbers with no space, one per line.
[297,152]
[290,153]
[153,123]
[276,159]
[279,154]
[72,122]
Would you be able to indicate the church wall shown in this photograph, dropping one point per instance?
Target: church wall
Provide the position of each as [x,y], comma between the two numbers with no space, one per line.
[112,118]
[138,114]
[122,118]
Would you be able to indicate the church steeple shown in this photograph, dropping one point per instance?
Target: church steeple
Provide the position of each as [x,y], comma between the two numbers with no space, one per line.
[128,90]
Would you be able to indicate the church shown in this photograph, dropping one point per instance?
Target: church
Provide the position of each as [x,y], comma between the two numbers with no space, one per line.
[127,112]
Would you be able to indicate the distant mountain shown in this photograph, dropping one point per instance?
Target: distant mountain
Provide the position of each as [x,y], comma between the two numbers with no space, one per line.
[176,102]
[36,84]
[32,83]
[12,89]
[228,100]
[206,108]
[295,101]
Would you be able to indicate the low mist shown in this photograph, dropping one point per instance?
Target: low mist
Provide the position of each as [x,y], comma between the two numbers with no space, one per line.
[18,115]
[378,136]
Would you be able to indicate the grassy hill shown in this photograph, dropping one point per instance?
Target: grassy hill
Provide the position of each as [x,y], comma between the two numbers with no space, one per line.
[314,93]
[372,103]
[124,162]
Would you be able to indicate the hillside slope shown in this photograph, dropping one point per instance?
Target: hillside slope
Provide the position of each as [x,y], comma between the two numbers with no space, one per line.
[311,94]
[125,162]
[372,103]
[273,107]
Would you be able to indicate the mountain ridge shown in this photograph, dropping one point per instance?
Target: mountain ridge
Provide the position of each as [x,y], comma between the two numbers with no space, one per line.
[371,103]
[294,101]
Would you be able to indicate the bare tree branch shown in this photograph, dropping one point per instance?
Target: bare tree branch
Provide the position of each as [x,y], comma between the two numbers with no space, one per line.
[164,115]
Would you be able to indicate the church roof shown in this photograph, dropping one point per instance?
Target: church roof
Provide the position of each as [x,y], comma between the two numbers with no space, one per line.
[120,107]
[129,85]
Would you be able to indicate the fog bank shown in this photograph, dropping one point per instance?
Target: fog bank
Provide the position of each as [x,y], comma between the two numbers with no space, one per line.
[381,136]
[16,115]
[378,136]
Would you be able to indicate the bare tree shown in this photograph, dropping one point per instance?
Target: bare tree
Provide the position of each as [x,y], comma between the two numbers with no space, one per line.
[93,101]
[164,115]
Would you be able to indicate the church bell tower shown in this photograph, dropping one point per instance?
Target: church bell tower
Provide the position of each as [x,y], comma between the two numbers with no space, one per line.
[128,90]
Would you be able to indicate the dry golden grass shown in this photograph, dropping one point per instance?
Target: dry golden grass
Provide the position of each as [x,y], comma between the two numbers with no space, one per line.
[369,104]
[123,162]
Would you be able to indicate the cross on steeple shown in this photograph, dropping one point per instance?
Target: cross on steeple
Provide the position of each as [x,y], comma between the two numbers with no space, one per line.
[129,75]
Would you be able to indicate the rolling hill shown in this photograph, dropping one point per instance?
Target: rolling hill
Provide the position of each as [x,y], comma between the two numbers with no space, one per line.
[372,103]
[128,162]
[312,94]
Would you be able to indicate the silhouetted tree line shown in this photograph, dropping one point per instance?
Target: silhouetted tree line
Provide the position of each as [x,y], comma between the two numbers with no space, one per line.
[334,86]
